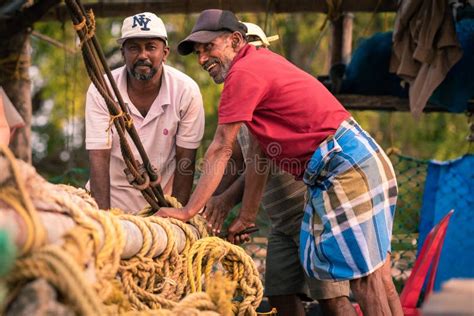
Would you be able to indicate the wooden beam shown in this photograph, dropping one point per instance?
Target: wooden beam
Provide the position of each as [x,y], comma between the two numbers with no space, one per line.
[385,103]
[20,21]
[120,9]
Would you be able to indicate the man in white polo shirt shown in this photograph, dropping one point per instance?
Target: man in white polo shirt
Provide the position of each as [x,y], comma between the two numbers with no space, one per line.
[167,111]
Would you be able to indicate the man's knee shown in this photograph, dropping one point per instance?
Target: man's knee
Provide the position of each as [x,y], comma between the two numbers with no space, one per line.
[371,282]
[387,277]
[334,303]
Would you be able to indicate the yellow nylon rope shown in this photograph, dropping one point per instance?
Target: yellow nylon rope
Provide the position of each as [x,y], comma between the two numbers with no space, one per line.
[17,197]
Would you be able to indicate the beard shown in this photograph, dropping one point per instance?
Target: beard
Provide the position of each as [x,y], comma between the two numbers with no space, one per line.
[219,75]
[142,76]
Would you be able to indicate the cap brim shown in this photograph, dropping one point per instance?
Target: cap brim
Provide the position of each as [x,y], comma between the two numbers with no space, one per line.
[186,46]
[121,40]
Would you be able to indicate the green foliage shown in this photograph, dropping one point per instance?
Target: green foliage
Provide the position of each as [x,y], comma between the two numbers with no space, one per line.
[440,136]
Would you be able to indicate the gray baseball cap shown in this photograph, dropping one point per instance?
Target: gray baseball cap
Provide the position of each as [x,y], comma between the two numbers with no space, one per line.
[209,25]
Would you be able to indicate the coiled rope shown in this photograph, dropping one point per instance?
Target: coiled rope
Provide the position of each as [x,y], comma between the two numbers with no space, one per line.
[89,271]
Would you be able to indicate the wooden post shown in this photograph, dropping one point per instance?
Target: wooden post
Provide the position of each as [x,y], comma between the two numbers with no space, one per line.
[341,48]
[14,64]
[341,44]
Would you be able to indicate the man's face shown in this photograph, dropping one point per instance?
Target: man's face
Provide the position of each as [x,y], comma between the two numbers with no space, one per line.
[215,57]
[144,57]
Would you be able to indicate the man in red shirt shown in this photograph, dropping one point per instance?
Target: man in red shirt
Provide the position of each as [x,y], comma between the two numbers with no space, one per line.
[300,126]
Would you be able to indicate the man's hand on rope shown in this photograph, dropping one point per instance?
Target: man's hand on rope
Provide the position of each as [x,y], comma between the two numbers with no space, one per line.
[182,214]
[235,235]
[216,210]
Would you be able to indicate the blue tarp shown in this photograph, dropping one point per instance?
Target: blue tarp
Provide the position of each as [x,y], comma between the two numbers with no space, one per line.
[458,86]
[450,185]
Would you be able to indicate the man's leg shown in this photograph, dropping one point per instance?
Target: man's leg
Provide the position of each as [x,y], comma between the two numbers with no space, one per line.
[284,276]
[369,292]
[287,305]
[390,290]
[332,296]
[338,306]
[285,280]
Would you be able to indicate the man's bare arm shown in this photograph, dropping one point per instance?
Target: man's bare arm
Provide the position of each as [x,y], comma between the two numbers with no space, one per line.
[4,128]
[233,170]
[214,164]
[99,161]
[256,174]
[228,193]
[184,174]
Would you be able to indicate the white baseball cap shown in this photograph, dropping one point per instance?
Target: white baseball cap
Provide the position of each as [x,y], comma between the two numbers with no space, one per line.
[255,30]
[143,25]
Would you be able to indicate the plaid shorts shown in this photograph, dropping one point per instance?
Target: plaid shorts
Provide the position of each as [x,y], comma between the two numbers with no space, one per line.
[348,218]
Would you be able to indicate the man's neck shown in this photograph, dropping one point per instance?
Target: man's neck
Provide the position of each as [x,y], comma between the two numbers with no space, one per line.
[143,93]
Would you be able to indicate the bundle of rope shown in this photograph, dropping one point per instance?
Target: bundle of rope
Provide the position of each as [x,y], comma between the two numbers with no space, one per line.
[207,254]
[89,266]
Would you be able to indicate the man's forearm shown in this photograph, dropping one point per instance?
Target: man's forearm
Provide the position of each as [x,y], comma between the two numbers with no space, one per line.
[100,177]
[182,186]
[235,191]
[256,173]
[215,161]
[100,191]
[234,170]
[4,128]
[184,174]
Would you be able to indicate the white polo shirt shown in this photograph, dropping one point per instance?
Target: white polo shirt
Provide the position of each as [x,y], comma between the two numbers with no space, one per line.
[176,118]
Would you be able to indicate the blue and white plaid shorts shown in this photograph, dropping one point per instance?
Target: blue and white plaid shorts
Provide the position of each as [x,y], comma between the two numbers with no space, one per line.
[348,218]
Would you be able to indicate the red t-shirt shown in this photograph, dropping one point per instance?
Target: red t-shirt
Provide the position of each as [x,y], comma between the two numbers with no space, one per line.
[287,110]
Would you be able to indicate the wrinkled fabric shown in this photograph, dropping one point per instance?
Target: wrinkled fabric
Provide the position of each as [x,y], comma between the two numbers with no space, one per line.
[352,193]
[425,48]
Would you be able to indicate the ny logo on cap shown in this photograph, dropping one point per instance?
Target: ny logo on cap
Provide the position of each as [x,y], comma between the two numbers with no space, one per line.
[142,21]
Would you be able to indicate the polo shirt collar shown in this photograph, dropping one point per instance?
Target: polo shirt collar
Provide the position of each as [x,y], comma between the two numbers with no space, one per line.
[247,49]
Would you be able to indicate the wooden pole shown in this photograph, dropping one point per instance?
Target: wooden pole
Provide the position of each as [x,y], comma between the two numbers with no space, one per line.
[341,48]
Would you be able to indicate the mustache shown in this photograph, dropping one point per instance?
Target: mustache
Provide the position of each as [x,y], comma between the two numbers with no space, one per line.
[210,62]
[142,63]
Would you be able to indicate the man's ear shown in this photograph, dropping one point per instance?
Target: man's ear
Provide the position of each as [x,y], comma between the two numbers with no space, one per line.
[166,52]
[237,40]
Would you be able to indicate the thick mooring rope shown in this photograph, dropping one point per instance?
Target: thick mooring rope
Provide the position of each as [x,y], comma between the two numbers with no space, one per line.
[87,267]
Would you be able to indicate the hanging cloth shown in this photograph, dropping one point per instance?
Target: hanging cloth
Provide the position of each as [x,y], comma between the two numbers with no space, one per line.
[425,48]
